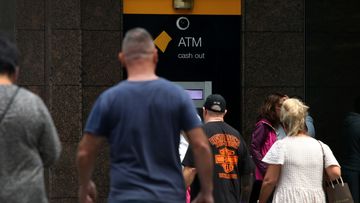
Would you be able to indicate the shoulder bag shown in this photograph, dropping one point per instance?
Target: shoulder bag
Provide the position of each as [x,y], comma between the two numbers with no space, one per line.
[336,191]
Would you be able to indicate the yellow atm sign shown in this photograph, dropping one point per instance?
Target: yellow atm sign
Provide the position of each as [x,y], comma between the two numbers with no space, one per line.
[201,7]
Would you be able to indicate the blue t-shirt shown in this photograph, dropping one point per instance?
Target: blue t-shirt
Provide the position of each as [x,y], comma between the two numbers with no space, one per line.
[142,121]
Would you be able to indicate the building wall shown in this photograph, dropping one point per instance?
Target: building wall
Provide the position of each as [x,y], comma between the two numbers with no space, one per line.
[273,53]
[69,56]
[332,66]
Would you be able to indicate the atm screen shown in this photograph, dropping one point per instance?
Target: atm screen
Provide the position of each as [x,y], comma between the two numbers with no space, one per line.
[195,94]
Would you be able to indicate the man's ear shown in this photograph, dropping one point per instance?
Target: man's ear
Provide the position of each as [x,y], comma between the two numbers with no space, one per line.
[121,58]
[156,56]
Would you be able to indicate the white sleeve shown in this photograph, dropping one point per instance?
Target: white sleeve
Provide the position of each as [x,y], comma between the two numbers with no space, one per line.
[276,154]
[329,156]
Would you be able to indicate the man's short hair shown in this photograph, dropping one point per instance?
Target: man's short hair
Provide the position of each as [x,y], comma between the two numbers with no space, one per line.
[8,55]
[137,44]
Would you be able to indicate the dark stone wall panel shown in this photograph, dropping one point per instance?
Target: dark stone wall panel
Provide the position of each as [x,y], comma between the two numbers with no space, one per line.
[100,15]
[66,57]
[32,49]
[333,16]
[66,111]
[101,172]
[274,59]
[90,94]
[65,14]
[279,15]
[100,63]
[38,90]
[333,59]
[64,177]
[328,107]
[30,14]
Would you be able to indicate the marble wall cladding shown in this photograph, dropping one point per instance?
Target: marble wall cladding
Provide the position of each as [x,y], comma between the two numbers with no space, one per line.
[38,90]
[100,64]
[333,59]
[64,177]
[101,172]
[69,64]
[66,57]
[273,54]
[30,15]
[332,66]
[332,16]
[274,59]
[65,14]
[90,94]
[329,105]
[100,15]
[279,15]
[66,112]
[31,45]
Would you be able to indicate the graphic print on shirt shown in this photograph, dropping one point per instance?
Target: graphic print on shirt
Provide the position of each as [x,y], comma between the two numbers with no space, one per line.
[226,155]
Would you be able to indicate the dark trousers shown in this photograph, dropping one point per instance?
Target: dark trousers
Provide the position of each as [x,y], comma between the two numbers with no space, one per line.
[353,180]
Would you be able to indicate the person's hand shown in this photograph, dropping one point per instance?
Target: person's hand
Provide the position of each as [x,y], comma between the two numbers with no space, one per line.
[204,198]
[87,193]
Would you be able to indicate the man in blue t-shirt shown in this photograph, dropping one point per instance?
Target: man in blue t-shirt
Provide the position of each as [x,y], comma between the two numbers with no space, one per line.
[141,119]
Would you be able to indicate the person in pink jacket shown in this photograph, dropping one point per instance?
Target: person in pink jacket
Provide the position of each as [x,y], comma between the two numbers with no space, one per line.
[264,136]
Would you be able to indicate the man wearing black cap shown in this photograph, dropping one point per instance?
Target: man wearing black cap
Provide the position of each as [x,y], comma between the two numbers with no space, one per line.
[233,167]
[28,139]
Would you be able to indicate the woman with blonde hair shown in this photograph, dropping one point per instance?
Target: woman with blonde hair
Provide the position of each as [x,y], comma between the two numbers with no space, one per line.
[296,166]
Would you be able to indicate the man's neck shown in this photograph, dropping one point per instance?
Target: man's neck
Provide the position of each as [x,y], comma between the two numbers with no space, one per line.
[4,80]
[141,71]
[214,119]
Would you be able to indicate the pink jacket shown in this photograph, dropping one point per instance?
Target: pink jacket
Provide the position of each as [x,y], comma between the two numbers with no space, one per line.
[263,137]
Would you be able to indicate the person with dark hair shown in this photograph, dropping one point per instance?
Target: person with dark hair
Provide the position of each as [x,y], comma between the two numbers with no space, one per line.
[351,162]
[233,167]
[297,163]
[141,119]
[28,138]
[264,136]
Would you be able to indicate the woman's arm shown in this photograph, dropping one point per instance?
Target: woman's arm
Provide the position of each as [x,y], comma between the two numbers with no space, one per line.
[333,172]
[189,175]
[269,182]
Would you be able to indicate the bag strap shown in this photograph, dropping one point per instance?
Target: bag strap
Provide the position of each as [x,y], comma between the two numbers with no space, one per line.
[9,104]
[323,153]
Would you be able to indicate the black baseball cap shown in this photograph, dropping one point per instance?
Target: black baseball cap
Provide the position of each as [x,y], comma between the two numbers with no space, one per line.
[8,52]
[215,102]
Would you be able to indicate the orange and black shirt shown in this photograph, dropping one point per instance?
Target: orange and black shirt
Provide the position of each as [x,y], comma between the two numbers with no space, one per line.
[231,161]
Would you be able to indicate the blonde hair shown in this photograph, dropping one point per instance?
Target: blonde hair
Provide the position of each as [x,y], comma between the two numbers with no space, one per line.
[292,115]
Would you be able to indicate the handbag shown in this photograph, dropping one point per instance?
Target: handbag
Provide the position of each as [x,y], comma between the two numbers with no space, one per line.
[336,191]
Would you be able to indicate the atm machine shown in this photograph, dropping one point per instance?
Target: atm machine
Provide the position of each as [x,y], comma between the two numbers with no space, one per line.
[198,92]
[199,46]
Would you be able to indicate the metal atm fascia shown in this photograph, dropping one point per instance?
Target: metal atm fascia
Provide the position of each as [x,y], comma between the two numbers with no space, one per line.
[198,90]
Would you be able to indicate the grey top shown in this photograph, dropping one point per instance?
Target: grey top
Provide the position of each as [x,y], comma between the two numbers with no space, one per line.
[28,143]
